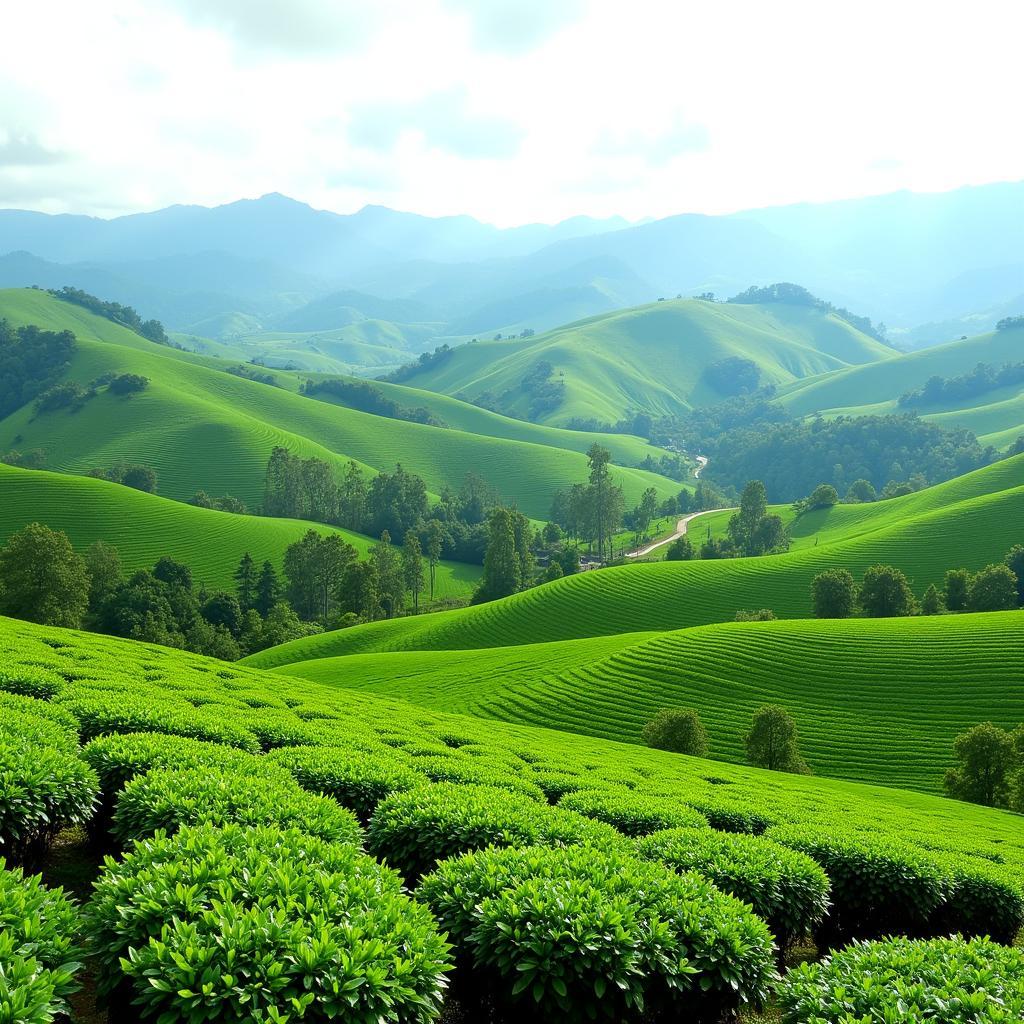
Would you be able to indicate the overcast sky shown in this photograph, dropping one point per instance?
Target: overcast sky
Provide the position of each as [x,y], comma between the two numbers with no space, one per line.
[509,110]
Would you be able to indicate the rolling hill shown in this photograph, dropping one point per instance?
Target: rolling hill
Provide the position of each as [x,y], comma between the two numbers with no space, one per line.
[652,357]
[875,700]
[143,527]
[970,521]
[200,427]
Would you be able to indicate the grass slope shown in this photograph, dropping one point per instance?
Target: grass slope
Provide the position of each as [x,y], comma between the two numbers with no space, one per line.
[652,357]
[969,521]
[200,427]
[875,700]
[144,526]
[996,417]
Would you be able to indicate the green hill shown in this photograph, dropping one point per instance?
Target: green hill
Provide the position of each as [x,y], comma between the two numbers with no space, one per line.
[652,357]
[997,417]
[970,521]
[875,700]
[200,427]
[143,527]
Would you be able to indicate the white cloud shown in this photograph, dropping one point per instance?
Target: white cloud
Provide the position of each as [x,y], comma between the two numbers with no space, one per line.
[510,111]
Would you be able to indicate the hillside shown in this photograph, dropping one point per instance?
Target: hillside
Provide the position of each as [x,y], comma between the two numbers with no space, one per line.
[970,521]
[143,527]
[652,357]
[193,408]
[997,417]
[875,700]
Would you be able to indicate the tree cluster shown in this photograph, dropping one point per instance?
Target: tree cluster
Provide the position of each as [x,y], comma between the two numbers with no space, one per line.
[124,315]
[31,359]
[733,375]
[592,511]
[362,395]
[130,474]
[752,530]
[426,361]
[946,390]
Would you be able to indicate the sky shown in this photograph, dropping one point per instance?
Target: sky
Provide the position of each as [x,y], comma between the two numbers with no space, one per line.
[511,111]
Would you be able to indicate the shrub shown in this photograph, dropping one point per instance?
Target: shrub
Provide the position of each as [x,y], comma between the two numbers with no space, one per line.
[632,813]
[24,720]
[357,780]
[986,899]
[475,772]
[884,592]
[37,949]
[28,681]
[724,816]
[678,730]
[261,924]
[42,790]
[580,934]
[415,830]
[169,799]
[786,888]
[880,886]
[992,589]
[904,981]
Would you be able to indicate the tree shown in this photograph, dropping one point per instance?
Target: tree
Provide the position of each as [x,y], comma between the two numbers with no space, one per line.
[246,583]
[885,592]
[282,625]
[352,499]
[390,583]
[645,511]
[501,563]
[412,567]
[42,579]
[755,615]
[861,490]
[435,537]
[360,591]
[753,508]
[173,573]
[957,583]
[282,495]
[679,730]
[605,499]
[772,741]
[103,564]
[993,589]
[1015,562]
[552,572]
[680,550]
[931,603]
[223,609]
[986,758]
[823,496]
[142,478]
[833,594]
[314,566]
[268,590]
[568,559]
[769,537]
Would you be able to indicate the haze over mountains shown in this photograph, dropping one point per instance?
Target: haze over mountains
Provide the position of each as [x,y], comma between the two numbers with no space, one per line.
[932,266]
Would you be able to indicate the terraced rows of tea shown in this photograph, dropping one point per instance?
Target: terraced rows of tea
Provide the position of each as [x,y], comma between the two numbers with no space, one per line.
[875,700]
[144,527]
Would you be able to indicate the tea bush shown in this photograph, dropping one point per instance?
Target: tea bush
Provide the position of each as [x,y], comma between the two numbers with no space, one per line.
[788,889]
[985,900]
[235,923]
[38,954]
[632,813]
[29,681]
[579,934]
[412,831]
[167,799]
[907,981]
[26,720]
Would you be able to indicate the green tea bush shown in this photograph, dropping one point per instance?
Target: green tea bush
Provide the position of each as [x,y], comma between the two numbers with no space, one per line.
[42,790]
[31,681]
[786,888]
[579,934]
[412,831]
[986,900]
[731,817]
[26,725]
[908,981]
[476,772]
[167,799]
[234,923]
[880,886]
[357,780]
[631,813]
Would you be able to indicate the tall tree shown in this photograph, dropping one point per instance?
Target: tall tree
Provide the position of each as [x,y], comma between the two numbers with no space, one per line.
[957,583]
[600,485]
[360,591]
[390,583]
[245,582]
[985,760]
[319,492]
[352,497]
[314,567]
[42,579]
[501,562]
[435,535]
[282,494]
[268,590]
[743,526]
[884,591]
[412,567]
[1015,562]
[772,741]
[103,563]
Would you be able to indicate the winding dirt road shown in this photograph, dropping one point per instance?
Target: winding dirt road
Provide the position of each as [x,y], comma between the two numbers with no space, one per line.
[681,528]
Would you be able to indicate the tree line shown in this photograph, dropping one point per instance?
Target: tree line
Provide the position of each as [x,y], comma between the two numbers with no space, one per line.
[31,359]
[153,330]
[983,378]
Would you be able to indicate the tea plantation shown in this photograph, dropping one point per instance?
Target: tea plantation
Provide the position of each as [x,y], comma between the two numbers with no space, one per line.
[281,850]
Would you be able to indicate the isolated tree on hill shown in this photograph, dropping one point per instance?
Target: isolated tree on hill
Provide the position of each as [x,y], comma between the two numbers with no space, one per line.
[1015,562]
[501,563]
[268,590]
[435,536]
[42,579]
[412,567]
[753,508]
[680,550]
[772,741]
[245,581]
[957,583]
[142,478]
[985,760]
[993,589]
[885,592]
[679,730]
[823,496]
[931,603]
[861,490]
[103,564]
[833,594]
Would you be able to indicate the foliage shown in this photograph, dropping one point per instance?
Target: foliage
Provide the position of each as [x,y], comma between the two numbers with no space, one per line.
[833,594]
[679,730]
[986,758]
[240,923]
[992,589]
[42,579]
[630,813]
[151,329]
[772,741]
[31,360]
[680,550]
[966,387]
[733,375]
[884,592]
[956,585]
[362,395]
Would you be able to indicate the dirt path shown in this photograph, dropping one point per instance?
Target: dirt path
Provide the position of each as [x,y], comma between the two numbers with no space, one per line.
[681,528]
